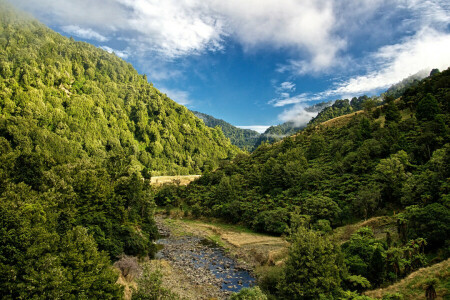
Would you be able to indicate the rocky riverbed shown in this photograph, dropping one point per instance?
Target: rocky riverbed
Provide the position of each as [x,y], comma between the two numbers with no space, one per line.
[203,262]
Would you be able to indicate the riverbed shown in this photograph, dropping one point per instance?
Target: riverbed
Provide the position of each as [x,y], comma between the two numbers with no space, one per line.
[204,262]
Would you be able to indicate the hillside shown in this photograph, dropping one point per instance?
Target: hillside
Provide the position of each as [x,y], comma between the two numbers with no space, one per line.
[81,132]
[87,96]
[415,285]
[381,161]
[243,138]
[342,107]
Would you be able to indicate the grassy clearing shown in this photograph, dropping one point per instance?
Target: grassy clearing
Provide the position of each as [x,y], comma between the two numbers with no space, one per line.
[379,225]
[414,286]
[177,180]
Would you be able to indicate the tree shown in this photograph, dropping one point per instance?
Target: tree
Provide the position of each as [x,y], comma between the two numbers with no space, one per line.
[427,108]
[392,113]
[431,223]
[313,268]
[89,271]
[361,253]
[391,173]
[321,207]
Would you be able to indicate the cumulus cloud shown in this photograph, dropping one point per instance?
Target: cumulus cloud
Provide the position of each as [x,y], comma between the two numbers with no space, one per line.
[257,128]
[85,33]
[175,28]
[424,49]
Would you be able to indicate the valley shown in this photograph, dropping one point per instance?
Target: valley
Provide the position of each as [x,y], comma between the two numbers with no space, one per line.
[109,189]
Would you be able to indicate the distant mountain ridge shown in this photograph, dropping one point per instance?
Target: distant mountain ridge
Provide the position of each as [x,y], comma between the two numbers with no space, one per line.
[243,138]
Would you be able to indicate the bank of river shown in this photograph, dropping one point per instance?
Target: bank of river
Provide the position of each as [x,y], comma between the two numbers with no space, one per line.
[204,263]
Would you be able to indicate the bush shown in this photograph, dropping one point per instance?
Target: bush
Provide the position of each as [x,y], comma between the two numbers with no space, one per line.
[272,221]
[249,294]
[150,287]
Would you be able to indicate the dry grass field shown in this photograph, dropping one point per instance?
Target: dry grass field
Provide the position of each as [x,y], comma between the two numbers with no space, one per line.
[178,180]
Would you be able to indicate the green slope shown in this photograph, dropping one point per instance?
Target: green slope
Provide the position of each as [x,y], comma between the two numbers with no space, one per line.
[243,138]
[90,97]
[80,133]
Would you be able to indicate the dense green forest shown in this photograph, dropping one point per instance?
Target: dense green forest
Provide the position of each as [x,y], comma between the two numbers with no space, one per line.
[392,159]
[243,138]
[81,132]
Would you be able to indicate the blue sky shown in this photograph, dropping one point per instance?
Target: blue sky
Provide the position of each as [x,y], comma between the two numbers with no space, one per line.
[261,62]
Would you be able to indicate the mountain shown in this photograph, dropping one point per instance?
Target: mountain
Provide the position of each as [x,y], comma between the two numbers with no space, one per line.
[81,132]
[243,138]
[391,160]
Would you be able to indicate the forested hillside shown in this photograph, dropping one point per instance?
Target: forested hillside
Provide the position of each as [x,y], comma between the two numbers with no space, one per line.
[243,138]
[342,107]
[81,132]
[389,160]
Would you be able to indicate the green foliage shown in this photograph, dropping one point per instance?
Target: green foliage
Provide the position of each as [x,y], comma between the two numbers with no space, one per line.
[249,294]
[342,107]
[313,269]
[364,256]
[272,221]
[427,108]
[431,222]
[150,286]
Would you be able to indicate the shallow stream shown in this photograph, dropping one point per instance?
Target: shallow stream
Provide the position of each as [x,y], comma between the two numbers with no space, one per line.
[204,262]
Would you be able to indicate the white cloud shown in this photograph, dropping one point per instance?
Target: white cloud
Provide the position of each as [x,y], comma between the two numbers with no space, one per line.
[257,128]
[85,33]
[297,114]
[426,50]
[306,26]
[119,53]
[181,97]
[175,28]
[286,86]
[315,33]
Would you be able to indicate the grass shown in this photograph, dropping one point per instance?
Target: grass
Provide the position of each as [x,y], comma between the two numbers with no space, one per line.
[223,226]
[414,286]
[379,226]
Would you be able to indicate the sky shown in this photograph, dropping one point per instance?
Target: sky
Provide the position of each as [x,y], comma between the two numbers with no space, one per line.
[257,63]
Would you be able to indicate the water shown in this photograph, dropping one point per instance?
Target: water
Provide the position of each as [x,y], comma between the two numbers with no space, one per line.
[206,260]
